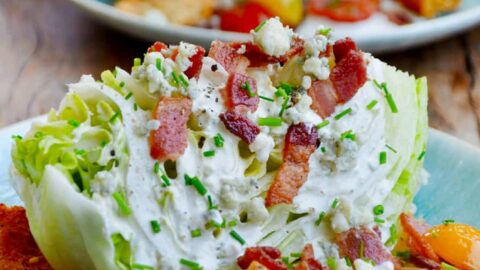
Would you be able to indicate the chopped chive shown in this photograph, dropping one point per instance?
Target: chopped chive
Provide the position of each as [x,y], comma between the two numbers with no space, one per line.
[348,261]
[175,78]
[190,264]
[156,168]
[284,106]
[378,210]
[210,153]
[348,135]
[281,93]
[166,181]
[335,203]
[342,114]
[403,254]
[287,87]
[211,205]
[114,117]
[232,223]
[103,144]
[158,64]
[362,249]
[247,87]
[323,149]
[266,98]
[323,124]
[260,26]
[332,263]
[320,218]
[135,106]
[237,237]
[128,96]
[137,62]
[38,134]
[184,81]
[391,103]
[17,137]
[393,235]
[74,123]
[142,267]
[446,266]
[122,84]
[218,140]
[448,221]
[199,186]
[196,233]
[422,155]
[296,254]
[122,203]
[391,148]
[155,226]
[79,152]
[379,220]
[286,261]
[372,104]
[383,158]
[270,121]
[188,180]
[325,31]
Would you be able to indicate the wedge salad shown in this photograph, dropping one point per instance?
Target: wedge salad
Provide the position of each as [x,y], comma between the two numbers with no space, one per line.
[279,153]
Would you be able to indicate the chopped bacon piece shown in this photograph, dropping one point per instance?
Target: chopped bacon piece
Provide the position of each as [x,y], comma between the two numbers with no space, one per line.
[228,57]
[196,60]
[307,260]
[350,245]
[342,47]
[415,230]
[169,141]
[423,262]
[300,143]
[349,75]
[238,90]
[324,98]
[266,256]
[240,126]
[157,47]
[18,249]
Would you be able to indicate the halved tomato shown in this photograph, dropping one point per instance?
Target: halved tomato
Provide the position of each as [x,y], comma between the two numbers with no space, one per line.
[344,10]
[243,18]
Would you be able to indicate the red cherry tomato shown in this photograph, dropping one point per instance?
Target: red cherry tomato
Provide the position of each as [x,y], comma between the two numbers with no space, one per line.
[243,18]
[344,10]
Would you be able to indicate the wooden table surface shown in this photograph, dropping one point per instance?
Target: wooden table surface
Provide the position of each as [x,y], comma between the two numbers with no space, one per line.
[45,44]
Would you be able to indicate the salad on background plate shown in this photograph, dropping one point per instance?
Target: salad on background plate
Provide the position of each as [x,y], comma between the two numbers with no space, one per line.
[282,152]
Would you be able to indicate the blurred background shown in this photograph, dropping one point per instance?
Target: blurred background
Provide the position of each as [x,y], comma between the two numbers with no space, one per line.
[45,44]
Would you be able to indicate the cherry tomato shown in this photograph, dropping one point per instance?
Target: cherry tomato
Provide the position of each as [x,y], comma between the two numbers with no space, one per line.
[458,244]
[344,10]
[243,18]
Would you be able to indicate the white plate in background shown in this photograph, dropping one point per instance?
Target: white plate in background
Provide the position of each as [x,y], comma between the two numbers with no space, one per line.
[375,35]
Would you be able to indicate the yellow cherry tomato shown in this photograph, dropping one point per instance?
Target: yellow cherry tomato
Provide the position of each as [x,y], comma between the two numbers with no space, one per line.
[458,244]
[289,11]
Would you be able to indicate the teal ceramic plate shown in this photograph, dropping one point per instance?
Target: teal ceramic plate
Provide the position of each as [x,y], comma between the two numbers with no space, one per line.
[453,190]
[375,35]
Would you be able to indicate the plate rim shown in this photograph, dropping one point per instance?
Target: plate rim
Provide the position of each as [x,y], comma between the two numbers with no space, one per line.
[412,35]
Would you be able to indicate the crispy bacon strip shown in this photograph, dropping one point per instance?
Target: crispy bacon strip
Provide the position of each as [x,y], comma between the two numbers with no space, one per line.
[324,98]
[197,61]
[349,75]
[308,261]
[415,230]
[350,245]
[18,249]
[342,47]
[240,92]
[240,126]
[157,47]
[423,262]
[266,256]
[228,57]
[169,141]
[300,143]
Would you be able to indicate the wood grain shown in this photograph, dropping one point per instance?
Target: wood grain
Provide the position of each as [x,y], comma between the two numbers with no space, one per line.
[45,44]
